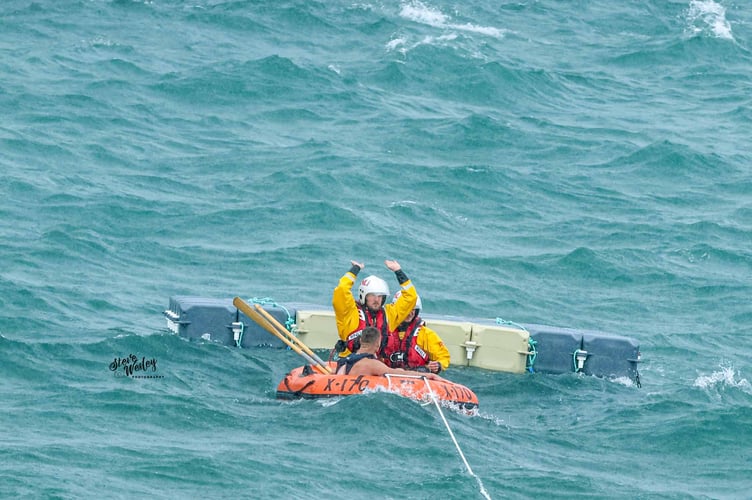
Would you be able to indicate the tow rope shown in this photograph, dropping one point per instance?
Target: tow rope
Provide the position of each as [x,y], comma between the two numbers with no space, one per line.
[456,444]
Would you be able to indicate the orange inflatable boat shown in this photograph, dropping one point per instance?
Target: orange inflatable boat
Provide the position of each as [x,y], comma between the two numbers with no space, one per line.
[306,383]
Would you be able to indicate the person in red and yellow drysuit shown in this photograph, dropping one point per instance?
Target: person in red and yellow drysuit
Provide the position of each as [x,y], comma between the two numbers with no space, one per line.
[414,346]
[365,362]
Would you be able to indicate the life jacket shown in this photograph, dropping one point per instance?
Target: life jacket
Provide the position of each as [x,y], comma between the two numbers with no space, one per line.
[367,318]
[350,360]
[405,352]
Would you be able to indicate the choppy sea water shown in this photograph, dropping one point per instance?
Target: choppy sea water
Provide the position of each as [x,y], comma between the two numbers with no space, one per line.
[577,164]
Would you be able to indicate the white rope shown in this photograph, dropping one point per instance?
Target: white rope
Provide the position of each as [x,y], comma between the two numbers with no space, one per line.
[456,444]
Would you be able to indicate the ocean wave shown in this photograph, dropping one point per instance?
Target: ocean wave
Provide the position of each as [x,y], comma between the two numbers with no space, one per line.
[582,167]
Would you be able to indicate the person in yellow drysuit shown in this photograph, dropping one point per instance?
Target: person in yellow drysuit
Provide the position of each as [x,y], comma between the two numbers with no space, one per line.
[414,346]
[371,308]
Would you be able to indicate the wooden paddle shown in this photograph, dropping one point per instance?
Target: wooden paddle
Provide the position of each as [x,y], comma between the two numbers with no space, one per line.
[267,325]
[289,335]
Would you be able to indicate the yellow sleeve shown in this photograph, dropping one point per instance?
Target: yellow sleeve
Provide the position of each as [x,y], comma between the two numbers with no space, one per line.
[429,341]
[345,309]
[397,313]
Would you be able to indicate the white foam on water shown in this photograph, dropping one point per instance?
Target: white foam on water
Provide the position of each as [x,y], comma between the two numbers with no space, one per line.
[625,381]
[396,44]
[419,12]
[707,15]
[726,376]
[327,402]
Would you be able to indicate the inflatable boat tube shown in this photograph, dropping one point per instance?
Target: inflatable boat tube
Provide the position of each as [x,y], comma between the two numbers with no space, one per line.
[305,383]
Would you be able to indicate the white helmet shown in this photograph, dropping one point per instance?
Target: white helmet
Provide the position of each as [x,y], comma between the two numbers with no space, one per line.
[372,284]
[397,295]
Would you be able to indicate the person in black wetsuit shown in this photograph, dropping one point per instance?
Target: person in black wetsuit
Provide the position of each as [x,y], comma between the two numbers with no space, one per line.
[364,362]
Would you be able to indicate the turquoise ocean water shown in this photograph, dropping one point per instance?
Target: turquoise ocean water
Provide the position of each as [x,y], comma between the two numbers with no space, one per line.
[581,164]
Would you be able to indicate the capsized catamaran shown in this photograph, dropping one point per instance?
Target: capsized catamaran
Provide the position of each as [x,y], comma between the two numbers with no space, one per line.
[491,344]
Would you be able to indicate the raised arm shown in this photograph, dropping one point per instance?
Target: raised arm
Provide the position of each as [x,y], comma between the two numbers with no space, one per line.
[343,302]
[398,312]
